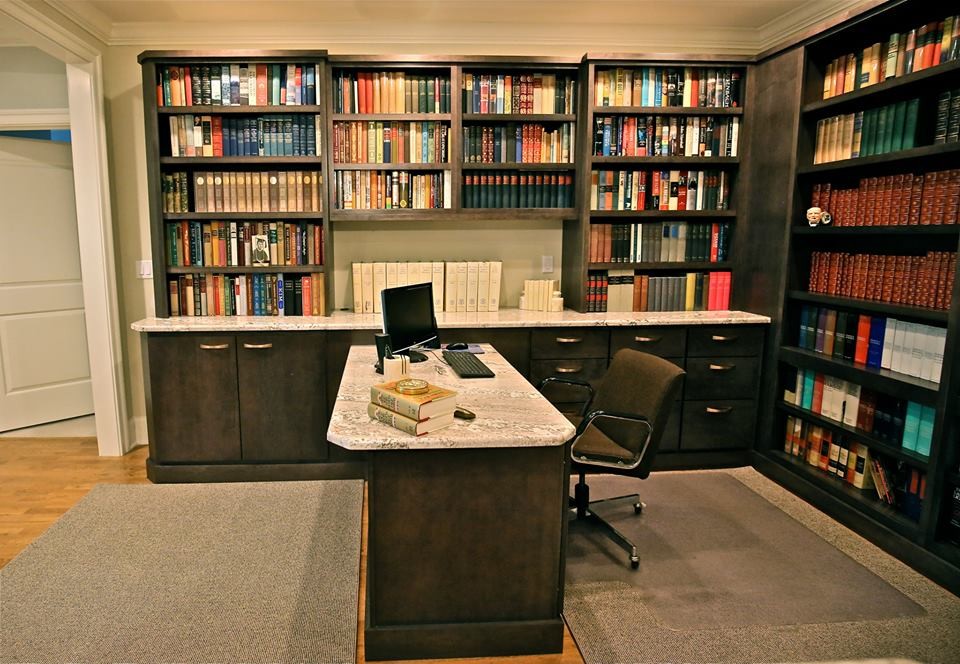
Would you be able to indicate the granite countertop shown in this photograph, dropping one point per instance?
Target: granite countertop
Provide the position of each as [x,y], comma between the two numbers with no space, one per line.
[344,320]
[510,412]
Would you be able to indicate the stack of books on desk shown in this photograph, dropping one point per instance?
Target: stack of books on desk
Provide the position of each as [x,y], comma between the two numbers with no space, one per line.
[416,414]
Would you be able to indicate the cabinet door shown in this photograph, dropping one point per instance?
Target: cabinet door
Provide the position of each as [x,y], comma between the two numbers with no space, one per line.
[282,388]
[192,403]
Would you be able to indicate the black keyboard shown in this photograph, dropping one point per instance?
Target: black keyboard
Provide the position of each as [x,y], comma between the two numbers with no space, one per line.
[466,364]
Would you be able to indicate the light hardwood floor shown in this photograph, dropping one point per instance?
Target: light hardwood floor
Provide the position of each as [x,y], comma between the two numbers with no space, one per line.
[40,479]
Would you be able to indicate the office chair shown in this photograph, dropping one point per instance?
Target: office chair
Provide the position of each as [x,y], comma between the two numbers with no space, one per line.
[619,428]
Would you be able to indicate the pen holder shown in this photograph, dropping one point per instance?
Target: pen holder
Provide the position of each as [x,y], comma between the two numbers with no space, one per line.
[396,367]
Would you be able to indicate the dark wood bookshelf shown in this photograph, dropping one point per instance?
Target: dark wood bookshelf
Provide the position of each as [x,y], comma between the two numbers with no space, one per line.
[865,500]
[391,117]
[883,380]
[902,158]
[511,166]
[863,231]
[211,163]
[953,477]
[667,161]
[874,443]
[392,167]
[306,109]
[663,266]
[661,215]
[243,216]
[519,117]
[871,306]
[246,269]
[463,214]
[667,110]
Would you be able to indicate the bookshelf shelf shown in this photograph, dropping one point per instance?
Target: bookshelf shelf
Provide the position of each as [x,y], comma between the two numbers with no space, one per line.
[667,161]
[519,117]
[464,214]
[392,167]
[246,269]
[239,110]
[392,117]
[872,441]
[863,231]
[863,500]
[663,215]
[871,306]
[243,216]
[903,158]
[663,266]
[946,74]
[214,162]
[666,110]
[923,391]
[508,166]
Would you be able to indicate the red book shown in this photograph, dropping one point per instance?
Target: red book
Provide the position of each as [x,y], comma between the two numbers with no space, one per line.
[216,134]
[655,188]
[261,99]
[817,404]
[725,280]
[863,340]
[188,86]
[714,242]
[298,85]
[607,243]
[362,80]
[712,290]
[682,191]
[306,303]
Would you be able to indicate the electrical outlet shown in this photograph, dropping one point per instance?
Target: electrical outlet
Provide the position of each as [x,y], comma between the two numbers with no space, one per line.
[145,269]
[546,264]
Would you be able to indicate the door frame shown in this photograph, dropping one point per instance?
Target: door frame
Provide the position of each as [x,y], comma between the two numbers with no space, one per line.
[82,56]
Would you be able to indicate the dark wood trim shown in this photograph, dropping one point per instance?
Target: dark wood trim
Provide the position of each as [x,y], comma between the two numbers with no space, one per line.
[667,110]
[519,117]
[667,59]
[211,163]
[468,61]
[872,306]
[449,214]
[478,639]
[391,117]
[857,231]
[304,109]
[515,166]
[239,55]
[672,161]
[160,473]
[242,216]
[245,269]
[901,158]
[443,166]
[663,266]
[658,215]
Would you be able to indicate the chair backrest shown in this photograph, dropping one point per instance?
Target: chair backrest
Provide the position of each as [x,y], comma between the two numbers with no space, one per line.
[639,384]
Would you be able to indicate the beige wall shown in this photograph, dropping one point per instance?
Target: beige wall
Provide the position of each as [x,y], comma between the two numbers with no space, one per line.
[29,78]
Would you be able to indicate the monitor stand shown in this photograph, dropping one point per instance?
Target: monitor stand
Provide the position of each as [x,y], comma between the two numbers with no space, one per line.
[415,356]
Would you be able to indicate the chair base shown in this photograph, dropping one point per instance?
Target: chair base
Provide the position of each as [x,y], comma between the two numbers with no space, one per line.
[582,503]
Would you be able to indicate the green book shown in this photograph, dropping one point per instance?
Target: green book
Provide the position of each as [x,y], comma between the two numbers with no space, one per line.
[910,124]
[884,122]
[925,430]
[899,122]
[869,133]
[857,147]
[911,426]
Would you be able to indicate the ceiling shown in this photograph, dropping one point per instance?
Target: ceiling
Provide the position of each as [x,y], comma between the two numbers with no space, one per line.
[568,27]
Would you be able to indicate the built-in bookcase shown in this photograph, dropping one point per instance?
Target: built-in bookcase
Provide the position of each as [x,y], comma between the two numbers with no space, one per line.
[865,371]
[660,144]
[236,181]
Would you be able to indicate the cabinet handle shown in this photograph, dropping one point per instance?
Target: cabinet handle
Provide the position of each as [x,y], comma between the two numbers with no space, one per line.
[569,370]
[713,410]
[257,346]
[721,367]
[647,340]
[568,340]
[719,338]
[214,346]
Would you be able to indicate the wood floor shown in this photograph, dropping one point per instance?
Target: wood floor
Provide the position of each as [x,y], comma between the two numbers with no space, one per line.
[40,479]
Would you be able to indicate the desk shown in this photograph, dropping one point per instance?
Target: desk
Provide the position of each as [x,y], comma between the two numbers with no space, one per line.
[467,525]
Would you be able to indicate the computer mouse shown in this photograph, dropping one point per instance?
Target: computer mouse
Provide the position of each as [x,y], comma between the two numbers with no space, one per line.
[457,345]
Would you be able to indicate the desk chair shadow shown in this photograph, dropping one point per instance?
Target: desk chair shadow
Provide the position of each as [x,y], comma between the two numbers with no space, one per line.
[619,428]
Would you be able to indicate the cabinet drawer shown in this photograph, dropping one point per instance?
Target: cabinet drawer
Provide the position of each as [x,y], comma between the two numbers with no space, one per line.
[718,424]
[725,340]
[589,370]
[722,377]
[563,342]
[662,341]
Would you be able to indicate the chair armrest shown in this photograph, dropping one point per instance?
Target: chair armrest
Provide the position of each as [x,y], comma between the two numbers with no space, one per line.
[574,383]
[613,415]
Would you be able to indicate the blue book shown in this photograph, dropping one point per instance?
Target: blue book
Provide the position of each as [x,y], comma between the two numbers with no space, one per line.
[256,294]
[279,295]
[911,426]
[808,381]
[925,430]
[875,342]
[245,150]
[275,88]
[607,131]
[657,91]
[644,87]
[295,136]
[518,157]
[311,85]
[287,137]
[820,331]
[254,137]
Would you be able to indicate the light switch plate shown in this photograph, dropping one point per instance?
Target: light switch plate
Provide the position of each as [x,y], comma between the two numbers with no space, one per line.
[145,269]
[546,264]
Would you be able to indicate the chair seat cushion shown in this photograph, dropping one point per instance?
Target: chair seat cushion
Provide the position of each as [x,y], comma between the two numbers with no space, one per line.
[597,445]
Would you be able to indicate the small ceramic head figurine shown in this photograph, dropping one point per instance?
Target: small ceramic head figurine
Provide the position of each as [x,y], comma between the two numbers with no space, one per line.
[826,218]
[814,215]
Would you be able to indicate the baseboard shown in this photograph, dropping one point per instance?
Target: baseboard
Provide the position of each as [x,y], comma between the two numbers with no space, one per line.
[137,435]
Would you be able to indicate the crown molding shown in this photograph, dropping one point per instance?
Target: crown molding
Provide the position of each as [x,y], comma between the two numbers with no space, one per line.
[25,119]
[797,20]
[51,31]
[87,17]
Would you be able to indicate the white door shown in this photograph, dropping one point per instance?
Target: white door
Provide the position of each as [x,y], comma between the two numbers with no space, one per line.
[44,370]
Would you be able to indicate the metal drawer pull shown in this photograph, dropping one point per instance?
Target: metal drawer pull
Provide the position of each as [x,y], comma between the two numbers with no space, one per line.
[214,346]
[713,410]
[257,346]
[647,340]
[569,370]
[568,340]
[721,367]
[722,339]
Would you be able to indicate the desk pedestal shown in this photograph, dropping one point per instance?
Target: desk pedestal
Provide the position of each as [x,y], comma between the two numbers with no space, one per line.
[465,552]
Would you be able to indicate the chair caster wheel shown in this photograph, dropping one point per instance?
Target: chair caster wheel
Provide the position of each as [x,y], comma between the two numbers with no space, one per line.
[634,562]
[637,508]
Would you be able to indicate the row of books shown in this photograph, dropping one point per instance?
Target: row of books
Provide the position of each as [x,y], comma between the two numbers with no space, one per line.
[390,92]
[702,87]
[947,127]
[513,189]
[385,190]
[897,422]
[902,53]
[458,286]
[390,142]
[257,191]
[842,457]
[519,93]
[920,281]
[514,142]
[264,136]
[659,190]
[254,84]
[879,130]
[174,192]
[624,290]
[247,295]
[541,295]
[415,414]
[904,199]
[667,136]
[875,341]
[659,242]
[254,243]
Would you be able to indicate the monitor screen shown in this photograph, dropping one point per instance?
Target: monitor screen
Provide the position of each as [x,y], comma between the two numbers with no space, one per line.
[408,316]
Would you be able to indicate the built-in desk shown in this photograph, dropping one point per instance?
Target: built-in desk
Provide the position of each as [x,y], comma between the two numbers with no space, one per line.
[466,525]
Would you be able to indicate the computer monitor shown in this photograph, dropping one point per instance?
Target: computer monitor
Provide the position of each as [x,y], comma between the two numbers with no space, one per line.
[409,319]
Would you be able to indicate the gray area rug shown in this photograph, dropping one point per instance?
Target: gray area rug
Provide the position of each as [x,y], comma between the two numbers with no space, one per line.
[736,569]
[246,572]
